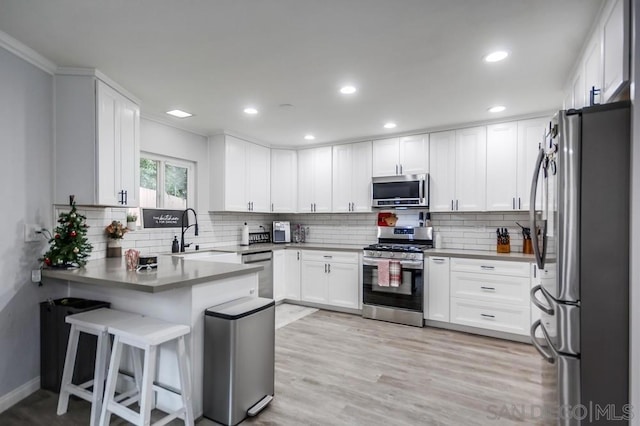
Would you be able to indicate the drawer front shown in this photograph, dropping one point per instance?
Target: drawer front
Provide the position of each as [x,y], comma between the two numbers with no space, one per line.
[492,288]
[498,267]
[330,256]
[491,316]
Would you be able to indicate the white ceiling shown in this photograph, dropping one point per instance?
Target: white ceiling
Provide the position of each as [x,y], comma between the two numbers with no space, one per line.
[416,62]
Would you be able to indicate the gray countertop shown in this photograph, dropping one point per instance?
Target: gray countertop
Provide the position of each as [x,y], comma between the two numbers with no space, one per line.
[172,272]
[255,248]
[480,254]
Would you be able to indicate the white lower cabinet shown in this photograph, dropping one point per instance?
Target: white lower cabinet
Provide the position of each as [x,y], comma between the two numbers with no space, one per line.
[292,274]
[491,294]
[330,278]
[279,275]
[485,294]
[437,293]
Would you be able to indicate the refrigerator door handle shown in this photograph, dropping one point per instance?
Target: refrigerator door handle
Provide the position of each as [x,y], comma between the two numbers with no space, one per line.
[550,355]
[540,255]
[546,309]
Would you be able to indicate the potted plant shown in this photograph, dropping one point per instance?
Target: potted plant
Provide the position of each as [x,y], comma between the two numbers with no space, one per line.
[115,232]
[132,218]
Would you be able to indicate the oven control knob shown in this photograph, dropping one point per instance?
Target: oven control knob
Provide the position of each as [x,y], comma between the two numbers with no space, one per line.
[392,254]
[379,254]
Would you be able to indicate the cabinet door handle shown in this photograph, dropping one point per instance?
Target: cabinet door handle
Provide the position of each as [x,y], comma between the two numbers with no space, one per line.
[519,204]
[126,197]
[396,169]
[451,204]
[400,168]
[456,204]
[488,268]
[248,206]
[487,316]
[311,207]
[325,268]
[329,268]
[298,255]
[488,288]
[513,203]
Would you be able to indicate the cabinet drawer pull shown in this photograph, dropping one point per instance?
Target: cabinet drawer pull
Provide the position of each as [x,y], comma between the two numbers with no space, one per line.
[437,260]
[487,316]
[488,288]
[488,268]
[327,257]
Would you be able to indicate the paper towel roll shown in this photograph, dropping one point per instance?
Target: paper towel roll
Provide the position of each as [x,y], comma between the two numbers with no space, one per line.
[438,241]
[245,235]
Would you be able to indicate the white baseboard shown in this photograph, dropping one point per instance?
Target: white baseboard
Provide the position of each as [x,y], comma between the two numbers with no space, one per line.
[18,394]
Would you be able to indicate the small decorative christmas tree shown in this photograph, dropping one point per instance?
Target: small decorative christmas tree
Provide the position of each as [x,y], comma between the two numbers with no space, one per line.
[69,243]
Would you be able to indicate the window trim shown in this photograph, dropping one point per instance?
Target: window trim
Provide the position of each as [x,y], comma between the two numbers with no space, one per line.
[172,161]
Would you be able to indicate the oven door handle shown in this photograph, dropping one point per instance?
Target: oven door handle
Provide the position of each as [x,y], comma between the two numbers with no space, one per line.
[406,264]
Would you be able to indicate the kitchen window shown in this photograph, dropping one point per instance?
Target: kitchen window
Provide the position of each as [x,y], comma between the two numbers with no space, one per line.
[166,183]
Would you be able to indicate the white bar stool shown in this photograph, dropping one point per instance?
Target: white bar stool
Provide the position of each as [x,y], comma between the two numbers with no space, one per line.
[147,334]
[96,322]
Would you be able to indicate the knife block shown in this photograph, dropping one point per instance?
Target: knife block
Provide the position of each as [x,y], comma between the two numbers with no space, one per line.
[503,247]
[527,248]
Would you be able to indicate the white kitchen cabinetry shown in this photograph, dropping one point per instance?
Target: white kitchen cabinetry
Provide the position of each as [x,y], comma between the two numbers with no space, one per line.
[240,175]
[408,155]
[292,261]
[279,275]
[493,295]
[604,64]
[314,180]
[615,47]
[512,149]
[502,150]
[352,177]
[437,294]
[530,136]
[97,152]
[284,181]
[330,278]
[458,170]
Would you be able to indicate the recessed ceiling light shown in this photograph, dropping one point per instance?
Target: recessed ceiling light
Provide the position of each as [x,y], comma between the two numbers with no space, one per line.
[497,108]
[309,137]
[179,113]
[348,90]
[496,56]
[250,110]
[390,125]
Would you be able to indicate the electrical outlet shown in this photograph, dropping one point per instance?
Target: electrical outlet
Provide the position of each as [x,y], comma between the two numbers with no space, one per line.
[32,233]
[36,275]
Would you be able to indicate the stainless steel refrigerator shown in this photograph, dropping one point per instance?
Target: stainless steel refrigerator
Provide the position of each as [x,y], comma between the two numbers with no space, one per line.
[580,208]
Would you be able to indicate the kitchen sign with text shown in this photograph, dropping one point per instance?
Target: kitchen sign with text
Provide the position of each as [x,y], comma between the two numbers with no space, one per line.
[161,218]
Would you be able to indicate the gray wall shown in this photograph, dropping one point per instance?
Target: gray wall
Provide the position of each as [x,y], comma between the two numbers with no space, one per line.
[25,174]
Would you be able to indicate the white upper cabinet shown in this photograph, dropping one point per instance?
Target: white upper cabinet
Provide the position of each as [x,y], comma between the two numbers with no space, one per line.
[615,43]
[240,175]
[314,180]
[284,181]
[530,136]
[442,169]
[458,170]
[604,64]
[502,147]
[471,163]
[407,155]
[97,153]
[512,149]
[352,177]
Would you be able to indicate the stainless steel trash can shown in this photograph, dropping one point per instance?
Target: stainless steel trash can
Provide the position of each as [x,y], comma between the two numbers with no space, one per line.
[239,357]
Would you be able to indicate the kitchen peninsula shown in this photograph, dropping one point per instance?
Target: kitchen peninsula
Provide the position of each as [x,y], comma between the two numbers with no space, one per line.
[179,290]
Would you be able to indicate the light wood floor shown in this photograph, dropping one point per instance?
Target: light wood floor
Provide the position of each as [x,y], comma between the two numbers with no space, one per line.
[340,369]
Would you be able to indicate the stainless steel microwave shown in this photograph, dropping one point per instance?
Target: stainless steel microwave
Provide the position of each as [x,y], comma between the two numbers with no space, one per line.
[400,191]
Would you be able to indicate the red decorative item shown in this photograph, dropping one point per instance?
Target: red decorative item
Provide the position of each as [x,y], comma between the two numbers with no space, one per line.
[47,261]
[73,234]
[57,236]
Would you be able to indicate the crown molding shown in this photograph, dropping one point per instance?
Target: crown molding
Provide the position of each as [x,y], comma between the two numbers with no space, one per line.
[23,51]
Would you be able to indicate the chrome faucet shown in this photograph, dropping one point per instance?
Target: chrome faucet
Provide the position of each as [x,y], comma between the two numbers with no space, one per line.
[184,229]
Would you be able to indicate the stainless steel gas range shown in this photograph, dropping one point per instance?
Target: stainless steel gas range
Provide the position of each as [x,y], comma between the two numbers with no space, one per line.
[400,250]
